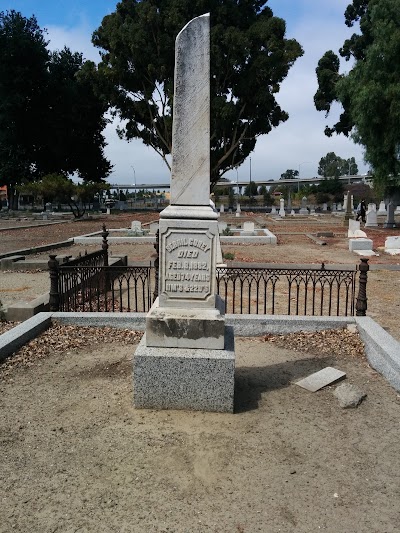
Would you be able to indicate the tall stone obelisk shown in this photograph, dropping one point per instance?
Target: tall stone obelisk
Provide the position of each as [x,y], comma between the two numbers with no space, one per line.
[187,347]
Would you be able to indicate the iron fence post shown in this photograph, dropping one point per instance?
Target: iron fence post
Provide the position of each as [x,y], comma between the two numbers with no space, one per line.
[361,303]
[104,244]
[54,295]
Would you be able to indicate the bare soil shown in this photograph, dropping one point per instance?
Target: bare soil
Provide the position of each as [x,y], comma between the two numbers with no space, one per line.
[76,455]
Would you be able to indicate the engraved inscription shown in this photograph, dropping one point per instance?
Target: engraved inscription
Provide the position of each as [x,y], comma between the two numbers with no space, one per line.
[187,265]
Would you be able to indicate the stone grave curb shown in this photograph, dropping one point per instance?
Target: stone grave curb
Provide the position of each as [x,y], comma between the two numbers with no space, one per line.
[115,240]
[15,338]
[27,226]
[382,350]
[38,249]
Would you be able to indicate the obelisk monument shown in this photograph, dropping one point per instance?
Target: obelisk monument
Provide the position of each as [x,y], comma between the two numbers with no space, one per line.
[187,347]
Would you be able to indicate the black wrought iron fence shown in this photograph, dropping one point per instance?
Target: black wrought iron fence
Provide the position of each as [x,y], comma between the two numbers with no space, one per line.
[104,288]
[273,289]
[287,290]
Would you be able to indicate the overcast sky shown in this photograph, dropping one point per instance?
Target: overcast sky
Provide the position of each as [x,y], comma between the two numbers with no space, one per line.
[299,143]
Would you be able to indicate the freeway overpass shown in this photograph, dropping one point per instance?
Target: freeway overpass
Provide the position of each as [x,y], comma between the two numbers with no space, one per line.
[242,183]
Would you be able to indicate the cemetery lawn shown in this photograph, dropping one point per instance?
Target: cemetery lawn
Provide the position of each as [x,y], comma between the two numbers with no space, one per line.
[76,456]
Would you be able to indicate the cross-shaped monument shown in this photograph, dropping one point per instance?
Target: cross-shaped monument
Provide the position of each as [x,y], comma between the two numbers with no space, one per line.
[186,358]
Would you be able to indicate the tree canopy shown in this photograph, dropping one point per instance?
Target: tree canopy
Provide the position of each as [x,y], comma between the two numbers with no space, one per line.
[50,118]
[370,92]
[250,57]
[58,188]
[290,174]
[333,166]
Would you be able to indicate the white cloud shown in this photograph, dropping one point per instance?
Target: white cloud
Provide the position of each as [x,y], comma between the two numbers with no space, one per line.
[77,38]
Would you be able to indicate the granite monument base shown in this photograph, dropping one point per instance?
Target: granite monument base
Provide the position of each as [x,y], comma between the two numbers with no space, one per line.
[185,378]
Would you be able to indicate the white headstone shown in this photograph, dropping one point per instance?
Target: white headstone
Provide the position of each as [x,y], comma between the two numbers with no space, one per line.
[339,206]
[273,210]
[154,227]
[136,225]
[282,208]
[397,212]
[345,202]
[382,209]
[303,209]
[371,219]
[354,225]
[222,227]
[292,213]
[248,227]
[360,244]
[392,245]
[221,208]
[324,207]
[392,242]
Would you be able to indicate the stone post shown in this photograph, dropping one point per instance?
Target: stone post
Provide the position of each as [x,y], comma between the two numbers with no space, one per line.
[361,303]
[349,210]
[390,221]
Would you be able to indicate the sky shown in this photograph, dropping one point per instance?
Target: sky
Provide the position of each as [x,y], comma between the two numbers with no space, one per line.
[299,143]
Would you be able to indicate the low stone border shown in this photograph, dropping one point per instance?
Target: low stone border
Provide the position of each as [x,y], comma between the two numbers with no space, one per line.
[381,349]
[267,238]
[38,225]
[38,249]
[13,339]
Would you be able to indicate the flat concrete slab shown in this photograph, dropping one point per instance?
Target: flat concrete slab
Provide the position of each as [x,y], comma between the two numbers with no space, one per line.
[321,379]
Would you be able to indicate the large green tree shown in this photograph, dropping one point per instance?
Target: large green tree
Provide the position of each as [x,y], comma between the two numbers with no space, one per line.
[51,120]
[370,92]
[73,121]
[23,78]
[333,166]
[250,57]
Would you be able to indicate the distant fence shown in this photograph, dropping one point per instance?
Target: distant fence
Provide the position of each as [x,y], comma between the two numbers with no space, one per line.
[90,284]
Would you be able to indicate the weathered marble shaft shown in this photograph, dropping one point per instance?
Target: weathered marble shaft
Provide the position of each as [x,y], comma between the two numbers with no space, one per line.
[190,178]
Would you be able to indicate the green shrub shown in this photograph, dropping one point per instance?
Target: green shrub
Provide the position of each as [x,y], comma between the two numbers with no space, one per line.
[229,256]
[227,231]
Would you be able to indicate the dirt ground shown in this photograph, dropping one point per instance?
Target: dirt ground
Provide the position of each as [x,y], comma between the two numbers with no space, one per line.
[77,457]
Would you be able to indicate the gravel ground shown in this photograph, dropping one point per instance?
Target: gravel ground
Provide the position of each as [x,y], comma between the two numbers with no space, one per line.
[76,455]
